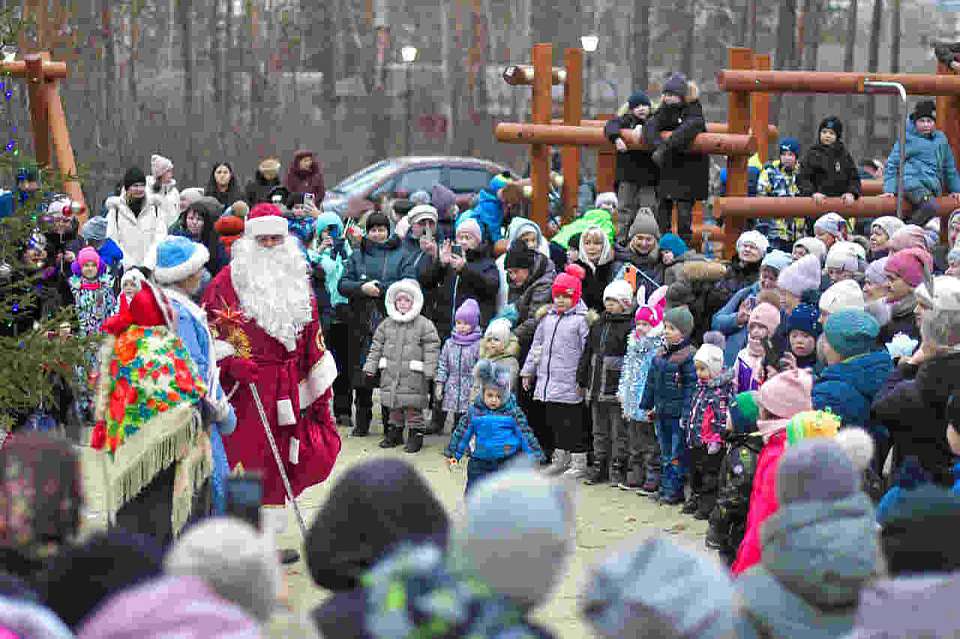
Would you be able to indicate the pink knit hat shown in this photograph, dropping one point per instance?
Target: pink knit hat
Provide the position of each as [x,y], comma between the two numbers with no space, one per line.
[569,283]
[786,394]
[88,254]
[909,235]
[471,227]
[766,315]
[909,265]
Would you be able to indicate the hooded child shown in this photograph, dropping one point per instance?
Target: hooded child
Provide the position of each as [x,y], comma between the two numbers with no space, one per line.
[458,356]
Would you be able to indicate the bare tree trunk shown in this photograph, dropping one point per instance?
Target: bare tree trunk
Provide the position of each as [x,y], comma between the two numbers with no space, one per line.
[328,50]
[383,53]
[686,64]
[640,59]
[748,24]
[895,37]
[812,13]
[446,43]
[849,46]
[786,46]
[186,53]
[873,62]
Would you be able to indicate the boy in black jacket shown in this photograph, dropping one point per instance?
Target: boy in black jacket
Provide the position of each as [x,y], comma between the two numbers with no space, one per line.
[599,375]
[637,175]
[827,169]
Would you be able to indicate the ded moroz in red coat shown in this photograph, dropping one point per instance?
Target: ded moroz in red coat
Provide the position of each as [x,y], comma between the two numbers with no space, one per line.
[288,382]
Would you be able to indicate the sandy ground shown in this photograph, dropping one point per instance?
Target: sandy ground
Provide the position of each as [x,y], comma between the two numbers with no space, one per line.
[605,516]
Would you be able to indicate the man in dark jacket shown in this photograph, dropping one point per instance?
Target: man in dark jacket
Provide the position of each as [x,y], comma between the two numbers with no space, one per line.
[637,175]
[684,176]
[531,275]
[827,169]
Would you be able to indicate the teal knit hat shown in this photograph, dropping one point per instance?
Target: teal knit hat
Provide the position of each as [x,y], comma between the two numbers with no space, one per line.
[744,412]
[851,332]
[673,243]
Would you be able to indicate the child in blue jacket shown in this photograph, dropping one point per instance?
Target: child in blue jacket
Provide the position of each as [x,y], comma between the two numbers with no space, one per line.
[499,426]
[668,397]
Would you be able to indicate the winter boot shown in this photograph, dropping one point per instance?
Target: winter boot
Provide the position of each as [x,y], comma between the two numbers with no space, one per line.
[597,474]
[634,479]
[362,426]
[344,421]
[691,505]
[392,437]
[437,421]
[618,473]
[414,441]
[561,462]
[578,466]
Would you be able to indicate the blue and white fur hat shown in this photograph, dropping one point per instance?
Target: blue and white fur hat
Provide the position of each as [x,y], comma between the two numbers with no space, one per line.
[491,375]
[177,258]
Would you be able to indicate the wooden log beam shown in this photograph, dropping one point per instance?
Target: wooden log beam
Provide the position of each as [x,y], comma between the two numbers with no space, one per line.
[712,127]
[36,91]
[523,74]
[60,134]
[705,143]
[18,68]
[540,153]
[747,80]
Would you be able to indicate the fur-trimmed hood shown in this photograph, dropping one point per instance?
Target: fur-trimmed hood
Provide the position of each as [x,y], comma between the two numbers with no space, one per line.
[591,315]
[703,271]
[512,349]
[412,288]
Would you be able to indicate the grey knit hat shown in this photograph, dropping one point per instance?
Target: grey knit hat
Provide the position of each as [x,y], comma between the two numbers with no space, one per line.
[681,318]
[235,560]
[646,225]
[94,229]
[816,470]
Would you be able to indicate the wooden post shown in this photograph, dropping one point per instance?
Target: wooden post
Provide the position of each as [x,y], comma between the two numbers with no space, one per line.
[38,106]
[738,120]
[572,114]
[66,163]
[948,121]
[760,111]
[540,153]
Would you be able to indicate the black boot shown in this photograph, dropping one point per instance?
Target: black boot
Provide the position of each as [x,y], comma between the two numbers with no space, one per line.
[618,473]
[414,441]
[437,421]
[363,422]
[598,473]
[392,437]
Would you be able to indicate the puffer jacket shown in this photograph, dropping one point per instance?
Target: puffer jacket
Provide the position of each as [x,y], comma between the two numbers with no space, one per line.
[455,372]
[903,319]
[671,382]
[683,175]
[763,501]
[488,212]
[636,369]
[449,289]
[817,557]
[533,295]
[405,349]
[602,359]
[636,167]
[849,388]
[708,412]
[739,275]
[829,170]
[333,261]
[499,433]
[311,181]
[135,235]
[555,355]
[930,165]
[258,189]
[593,217]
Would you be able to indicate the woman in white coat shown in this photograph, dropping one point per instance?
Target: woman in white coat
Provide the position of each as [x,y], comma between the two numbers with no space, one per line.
[160,183]
[134,220]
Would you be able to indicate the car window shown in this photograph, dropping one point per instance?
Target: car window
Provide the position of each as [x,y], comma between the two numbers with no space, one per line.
[363,179]
[418,180]
[385,188]
[468,180]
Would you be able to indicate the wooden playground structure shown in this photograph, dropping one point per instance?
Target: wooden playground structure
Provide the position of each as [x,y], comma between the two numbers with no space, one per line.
[749,82]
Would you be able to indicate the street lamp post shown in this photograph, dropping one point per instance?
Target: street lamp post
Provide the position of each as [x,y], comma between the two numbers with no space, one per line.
[894,88]
[408,54]
[589,44]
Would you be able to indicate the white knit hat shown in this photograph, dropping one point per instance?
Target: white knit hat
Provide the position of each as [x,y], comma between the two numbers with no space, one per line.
[621,291]
[889,224]
[845,294]
[814,246]
[607,197]
[159,165]
[832,223]
[710,356]
[756,238]
[847,256]
[499,329]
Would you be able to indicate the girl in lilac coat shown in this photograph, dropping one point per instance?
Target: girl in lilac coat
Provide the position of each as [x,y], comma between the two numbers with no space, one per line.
[459,355]
[552,362]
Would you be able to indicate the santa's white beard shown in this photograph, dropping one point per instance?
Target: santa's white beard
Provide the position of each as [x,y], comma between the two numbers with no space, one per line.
[273,287]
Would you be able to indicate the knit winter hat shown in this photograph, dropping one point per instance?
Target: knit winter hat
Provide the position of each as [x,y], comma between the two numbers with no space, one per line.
[569,283]
[681,318]
[776,260]
[924,109]
[607,197]
[517,534]
[644,224]
[802,275]
[191,195]
[422,212]
[851,332]
[234,560]
[134,175]
[469,312]
[471,227]
[377,219]
[790,144]
[842,295]
[846,256]
[676,85]
[946,294]
[94,229]
[710,356]
[909,235]
[177,258]
[491,375]
[815,470]
[814,246]
[265,219]
[766,315]
[917,531]
[159,165]
[804,318]
[519,255]
[621,291]
[636,99]
[385,498]
[787,393]
[910,265]
[889,224]
[876,272]
[744,412]
[658,588]
[833,224]
[418,198]
[673,243]
[810,424]
[833,123]
[499,329]
[88,254]
[756,238]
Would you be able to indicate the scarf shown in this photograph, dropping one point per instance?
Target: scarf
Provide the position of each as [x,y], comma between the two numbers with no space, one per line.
[90,285]
[470,338]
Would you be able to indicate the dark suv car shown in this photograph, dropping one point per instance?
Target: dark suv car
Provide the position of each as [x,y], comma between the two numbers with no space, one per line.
[399,177]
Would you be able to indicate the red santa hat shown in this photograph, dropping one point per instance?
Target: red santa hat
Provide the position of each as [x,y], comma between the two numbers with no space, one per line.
[265,219]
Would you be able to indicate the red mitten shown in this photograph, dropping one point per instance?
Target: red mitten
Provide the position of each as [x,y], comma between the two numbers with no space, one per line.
[240,369]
